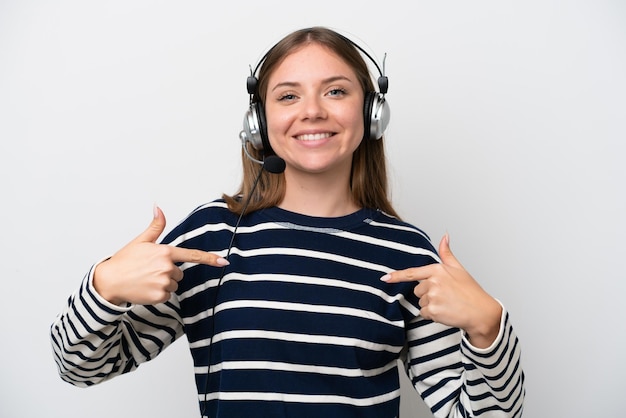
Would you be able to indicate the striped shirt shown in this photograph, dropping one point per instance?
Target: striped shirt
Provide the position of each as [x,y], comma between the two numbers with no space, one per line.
[298,325]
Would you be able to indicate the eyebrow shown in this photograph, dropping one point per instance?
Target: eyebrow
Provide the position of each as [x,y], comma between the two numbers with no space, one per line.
[325,81]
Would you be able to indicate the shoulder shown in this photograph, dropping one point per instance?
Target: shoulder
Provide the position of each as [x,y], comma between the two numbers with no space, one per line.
[215,209]
[398,229]
[213,215]
[396,243]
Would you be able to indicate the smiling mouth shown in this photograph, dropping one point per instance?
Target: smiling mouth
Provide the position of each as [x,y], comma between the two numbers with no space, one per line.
[314,137]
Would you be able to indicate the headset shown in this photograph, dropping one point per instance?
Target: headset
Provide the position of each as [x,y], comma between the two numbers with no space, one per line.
[376,113]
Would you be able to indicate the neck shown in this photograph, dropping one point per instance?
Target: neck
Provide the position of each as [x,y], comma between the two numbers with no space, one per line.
[318,195]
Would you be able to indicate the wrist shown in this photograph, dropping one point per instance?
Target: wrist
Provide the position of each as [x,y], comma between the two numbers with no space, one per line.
[103,286]
[487,328]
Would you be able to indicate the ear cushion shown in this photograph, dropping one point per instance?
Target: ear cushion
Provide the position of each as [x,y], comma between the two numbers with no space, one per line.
[265,141]
[367,114]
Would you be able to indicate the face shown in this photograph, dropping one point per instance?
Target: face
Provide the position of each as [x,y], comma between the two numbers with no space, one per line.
[314,111]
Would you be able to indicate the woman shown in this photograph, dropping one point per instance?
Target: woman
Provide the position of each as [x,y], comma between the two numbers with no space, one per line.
[299,293]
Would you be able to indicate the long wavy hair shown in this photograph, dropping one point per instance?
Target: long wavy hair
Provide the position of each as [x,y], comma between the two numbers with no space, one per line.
[368,179]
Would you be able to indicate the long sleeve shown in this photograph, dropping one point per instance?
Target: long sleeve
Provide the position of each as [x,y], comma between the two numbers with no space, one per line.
[459,380]
[93,340]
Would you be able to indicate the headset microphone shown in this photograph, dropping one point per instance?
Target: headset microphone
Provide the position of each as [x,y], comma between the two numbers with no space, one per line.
[274,164]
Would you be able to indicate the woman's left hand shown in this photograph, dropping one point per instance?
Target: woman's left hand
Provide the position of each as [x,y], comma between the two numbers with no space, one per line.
[450,295]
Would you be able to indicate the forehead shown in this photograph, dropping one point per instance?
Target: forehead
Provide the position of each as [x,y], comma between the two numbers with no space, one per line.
[311,61]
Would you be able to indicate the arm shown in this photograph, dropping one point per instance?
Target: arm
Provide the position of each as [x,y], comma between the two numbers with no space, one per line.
[94,340]
[463,354]
[126,311]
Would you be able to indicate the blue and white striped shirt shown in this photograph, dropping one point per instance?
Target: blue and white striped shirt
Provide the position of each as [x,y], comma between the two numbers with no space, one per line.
[302,326]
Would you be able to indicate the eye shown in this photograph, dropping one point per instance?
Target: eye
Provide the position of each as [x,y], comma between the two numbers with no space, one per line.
[286,97]
[337,92]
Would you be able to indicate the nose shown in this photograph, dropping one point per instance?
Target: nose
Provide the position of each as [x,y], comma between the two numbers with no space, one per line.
[313,108]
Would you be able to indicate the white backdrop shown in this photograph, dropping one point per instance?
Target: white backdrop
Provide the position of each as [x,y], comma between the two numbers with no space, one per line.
[507,131]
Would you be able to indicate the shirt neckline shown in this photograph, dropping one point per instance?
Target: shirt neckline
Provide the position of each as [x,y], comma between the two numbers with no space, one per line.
[352,220]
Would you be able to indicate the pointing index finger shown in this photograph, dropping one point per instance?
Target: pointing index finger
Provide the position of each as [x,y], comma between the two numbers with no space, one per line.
[412,274]
[186,255]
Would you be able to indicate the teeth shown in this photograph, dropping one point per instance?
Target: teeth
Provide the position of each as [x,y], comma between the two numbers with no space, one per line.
[313,137]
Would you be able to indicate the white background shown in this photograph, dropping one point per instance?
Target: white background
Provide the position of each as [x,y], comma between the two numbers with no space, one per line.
[507,131]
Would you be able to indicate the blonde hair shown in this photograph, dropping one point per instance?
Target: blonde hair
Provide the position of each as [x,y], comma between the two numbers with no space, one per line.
[368,179]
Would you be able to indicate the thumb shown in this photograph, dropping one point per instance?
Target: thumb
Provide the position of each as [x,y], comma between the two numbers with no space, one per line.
[445,252]
[155,229]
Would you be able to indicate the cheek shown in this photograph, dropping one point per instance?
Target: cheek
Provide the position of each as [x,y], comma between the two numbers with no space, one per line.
[357,123]
[277,131]
[352,115]
[277,122]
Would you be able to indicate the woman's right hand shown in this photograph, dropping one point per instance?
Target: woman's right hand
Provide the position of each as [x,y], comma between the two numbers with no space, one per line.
[143,272]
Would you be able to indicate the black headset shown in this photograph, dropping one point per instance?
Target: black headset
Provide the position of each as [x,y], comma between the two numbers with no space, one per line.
[376,112]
